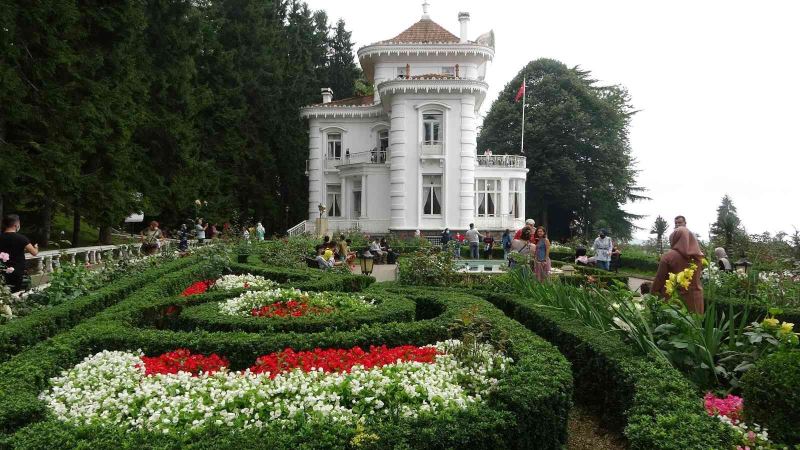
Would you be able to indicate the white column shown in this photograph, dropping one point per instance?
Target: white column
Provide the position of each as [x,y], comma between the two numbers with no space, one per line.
[343,200]
[397,168]
[316,175]
[48,264]
[468,156]
[364,196]
[72,258]
[504,201]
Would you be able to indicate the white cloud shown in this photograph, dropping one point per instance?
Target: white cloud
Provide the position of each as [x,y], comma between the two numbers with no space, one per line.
[715,82]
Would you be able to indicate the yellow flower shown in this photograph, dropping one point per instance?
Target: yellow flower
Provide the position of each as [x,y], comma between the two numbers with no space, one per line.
[787,327]
[770,322]
[705,262]
[669,286]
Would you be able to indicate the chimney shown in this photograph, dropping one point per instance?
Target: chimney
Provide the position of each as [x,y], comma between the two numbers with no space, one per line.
[463,18]
[327,95]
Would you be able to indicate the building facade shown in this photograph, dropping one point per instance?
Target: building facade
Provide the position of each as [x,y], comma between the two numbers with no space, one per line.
[405,159]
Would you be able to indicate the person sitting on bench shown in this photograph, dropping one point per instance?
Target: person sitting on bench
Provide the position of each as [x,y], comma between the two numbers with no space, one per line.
[375,249]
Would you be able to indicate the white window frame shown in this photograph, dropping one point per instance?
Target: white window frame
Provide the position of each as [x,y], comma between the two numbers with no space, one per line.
[449,70]
[432,194]
[333,193]
[330,145]
[431,122]
[485,193]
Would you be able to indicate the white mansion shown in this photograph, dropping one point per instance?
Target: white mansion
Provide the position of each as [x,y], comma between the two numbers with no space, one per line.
[405,159]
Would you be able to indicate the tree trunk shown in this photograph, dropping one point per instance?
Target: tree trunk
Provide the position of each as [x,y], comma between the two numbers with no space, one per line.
[76,227]
[105,235]
[47,219]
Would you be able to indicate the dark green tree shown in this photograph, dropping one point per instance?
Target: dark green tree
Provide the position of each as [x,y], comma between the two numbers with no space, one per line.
[342,69]
[727,228]
[576,144]
[660,227]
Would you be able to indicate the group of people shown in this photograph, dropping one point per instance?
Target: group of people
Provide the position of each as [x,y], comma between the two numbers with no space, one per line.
[529,241]
[331,252]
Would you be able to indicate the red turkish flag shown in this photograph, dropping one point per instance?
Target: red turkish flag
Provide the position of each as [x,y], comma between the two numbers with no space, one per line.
[520,92]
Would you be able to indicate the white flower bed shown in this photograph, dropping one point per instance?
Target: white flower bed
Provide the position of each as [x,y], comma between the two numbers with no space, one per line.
[247,281]
[244,304]
[111,388]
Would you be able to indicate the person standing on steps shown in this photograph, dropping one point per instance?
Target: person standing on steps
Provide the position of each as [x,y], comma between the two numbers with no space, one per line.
[541,257]
[15,244]
[505,241]
[474,239]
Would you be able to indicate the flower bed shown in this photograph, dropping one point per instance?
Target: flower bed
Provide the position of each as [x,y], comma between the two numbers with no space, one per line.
[527,407]
[129,390]
[244,281]
[290,302]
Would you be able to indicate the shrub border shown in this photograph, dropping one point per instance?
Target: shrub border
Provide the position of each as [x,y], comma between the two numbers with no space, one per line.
[652,402]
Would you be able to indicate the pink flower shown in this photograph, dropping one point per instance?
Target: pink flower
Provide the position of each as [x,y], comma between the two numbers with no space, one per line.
[4,257]
[730,406]
[9,270]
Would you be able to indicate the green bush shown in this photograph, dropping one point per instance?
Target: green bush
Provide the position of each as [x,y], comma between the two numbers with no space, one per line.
[41,324]
[528,410]
[206,316]
[652,402]
[772,395]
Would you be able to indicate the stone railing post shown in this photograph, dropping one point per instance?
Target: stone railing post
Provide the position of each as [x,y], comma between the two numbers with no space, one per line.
[39,265]
[48,264]
[72,258]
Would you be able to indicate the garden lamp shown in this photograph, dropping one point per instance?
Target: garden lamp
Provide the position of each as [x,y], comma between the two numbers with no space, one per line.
[568,270]
[742,265]
[367,263]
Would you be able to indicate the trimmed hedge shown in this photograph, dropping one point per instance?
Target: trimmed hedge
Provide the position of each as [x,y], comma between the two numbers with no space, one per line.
[757,309]
[308,279]
[206,316]
[29,330]
[772,395]
[651,401]
[528,410]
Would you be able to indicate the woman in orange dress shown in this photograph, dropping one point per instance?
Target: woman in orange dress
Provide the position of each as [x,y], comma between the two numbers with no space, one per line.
[685,250]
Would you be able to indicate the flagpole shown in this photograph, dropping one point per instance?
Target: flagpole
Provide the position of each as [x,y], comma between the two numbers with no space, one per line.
[522,134]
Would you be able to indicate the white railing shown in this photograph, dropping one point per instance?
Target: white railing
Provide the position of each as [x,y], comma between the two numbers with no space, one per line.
[358,225]
[430,148]
[499,222]
[511,161]
[373,156]
[46,261]
[301,228]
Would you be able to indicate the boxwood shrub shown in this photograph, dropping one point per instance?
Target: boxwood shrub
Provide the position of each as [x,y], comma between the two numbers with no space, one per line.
[206,316]
[772,395]
[29,330]
[651,402]
[529,409]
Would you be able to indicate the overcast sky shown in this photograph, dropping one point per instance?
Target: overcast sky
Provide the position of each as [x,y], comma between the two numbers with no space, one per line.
[716,83]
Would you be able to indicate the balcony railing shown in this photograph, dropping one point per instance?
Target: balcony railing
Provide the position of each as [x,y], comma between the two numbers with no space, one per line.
[499,222]
[430,148]
[373,156]
[511,161]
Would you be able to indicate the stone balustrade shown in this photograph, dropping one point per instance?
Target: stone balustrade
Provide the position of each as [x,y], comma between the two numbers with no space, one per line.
[48,260]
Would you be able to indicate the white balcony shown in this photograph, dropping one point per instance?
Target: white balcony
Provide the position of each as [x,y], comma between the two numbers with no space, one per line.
[373,156]
[340,225]
[499,222]
[430,148]
[502,161]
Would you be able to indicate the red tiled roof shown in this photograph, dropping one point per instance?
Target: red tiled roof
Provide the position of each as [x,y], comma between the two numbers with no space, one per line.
[424,31]
[362,100]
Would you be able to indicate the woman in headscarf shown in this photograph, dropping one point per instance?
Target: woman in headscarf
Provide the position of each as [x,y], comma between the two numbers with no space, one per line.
[723,262]
[684,250]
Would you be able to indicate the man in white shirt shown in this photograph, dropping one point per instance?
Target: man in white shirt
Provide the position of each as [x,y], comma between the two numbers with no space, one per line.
[602,249]
[474,239]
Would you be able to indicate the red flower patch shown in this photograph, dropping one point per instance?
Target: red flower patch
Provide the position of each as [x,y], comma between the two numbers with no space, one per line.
[197,287]
[340,360]
[292,308]
[182,360]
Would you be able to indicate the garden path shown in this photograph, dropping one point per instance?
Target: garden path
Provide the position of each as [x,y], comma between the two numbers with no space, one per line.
[381,272]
